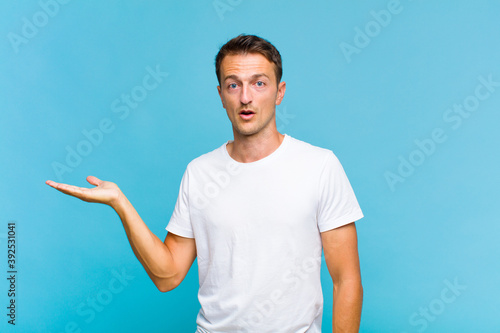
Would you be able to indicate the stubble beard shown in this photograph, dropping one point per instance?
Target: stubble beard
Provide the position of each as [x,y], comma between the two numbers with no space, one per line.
[255,128]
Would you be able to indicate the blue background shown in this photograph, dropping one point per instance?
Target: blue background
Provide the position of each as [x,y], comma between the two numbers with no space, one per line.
[437,225]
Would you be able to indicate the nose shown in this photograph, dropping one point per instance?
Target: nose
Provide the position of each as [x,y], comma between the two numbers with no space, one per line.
[246,95]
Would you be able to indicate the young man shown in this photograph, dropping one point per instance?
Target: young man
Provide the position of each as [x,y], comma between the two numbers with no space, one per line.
[256,212]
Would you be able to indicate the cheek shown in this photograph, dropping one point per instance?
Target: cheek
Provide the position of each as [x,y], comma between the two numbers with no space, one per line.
[270,100]
[229,99]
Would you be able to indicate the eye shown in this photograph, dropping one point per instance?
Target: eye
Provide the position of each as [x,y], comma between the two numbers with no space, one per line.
[233,86]
[260,84]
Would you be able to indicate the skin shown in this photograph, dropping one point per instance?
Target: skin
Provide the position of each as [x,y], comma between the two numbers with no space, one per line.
[248,82]
[340,247]
[167,262]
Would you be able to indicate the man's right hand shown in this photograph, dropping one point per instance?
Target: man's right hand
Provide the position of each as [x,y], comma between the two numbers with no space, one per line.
[105,192]
[166,263]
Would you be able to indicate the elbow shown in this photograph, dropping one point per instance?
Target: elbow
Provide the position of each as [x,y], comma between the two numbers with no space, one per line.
[166,285]
[164,289]
[164,281]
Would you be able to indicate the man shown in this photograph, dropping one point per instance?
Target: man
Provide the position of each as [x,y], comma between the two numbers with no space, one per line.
[256,212]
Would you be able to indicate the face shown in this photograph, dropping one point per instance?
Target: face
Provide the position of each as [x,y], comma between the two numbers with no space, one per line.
[249,92]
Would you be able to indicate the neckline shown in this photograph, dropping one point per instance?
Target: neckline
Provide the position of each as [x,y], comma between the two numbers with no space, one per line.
[271,156]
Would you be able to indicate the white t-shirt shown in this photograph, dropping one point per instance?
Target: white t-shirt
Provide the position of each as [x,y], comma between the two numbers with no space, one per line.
[257,231]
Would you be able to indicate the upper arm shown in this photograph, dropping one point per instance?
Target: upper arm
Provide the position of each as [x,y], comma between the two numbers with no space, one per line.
[183,251]
[340,246]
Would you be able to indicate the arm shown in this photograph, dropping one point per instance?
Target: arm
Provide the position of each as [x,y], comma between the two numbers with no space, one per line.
[166,263]
[340,246]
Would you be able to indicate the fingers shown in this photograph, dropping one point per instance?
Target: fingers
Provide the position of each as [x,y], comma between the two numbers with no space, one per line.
[91,179]
[51,183]
[94,180]
[75,191]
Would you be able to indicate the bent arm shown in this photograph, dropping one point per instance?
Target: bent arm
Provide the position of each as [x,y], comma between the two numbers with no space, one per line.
[340,246]
[166,263]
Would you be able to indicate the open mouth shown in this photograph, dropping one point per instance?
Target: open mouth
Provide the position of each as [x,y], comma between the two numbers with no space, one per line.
[246,114]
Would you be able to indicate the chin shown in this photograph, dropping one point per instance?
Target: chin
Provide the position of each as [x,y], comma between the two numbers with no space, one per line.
[247,131]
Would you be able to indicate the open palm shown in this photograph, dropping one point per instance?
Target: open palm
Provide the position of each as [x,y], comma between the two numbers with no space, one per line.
[105,192]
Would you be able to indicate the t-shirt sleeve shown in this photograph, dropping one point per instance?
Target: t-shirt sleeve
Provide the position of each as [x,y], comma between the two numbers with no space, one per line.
[337,203]
[180,221]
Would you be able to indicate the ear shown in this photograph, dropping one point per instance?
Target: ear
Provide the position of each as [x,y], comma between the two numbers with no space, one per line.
[220,95]
[281,92]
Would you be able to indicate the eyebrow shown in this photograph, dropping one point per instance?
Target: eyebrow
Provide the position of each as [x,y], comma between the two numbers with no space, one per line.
[253,77]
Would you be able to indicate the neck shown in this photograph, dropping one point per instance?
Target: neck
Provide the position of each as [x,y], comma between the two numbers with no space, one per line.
[251,148]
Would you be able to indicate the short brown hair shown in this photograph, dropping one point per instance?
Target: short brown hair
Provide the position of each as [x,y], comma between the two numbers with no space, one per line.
[244,44]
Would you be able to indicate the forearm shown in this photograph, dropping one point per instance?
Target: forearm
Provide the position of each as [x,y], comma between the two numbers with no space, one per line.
[153,254]
[347,303]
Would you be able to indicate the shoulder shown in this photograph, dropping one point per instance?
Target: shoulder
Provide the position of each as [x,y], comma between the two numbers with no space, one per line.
[318,160]
[315,154]
[207,160]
